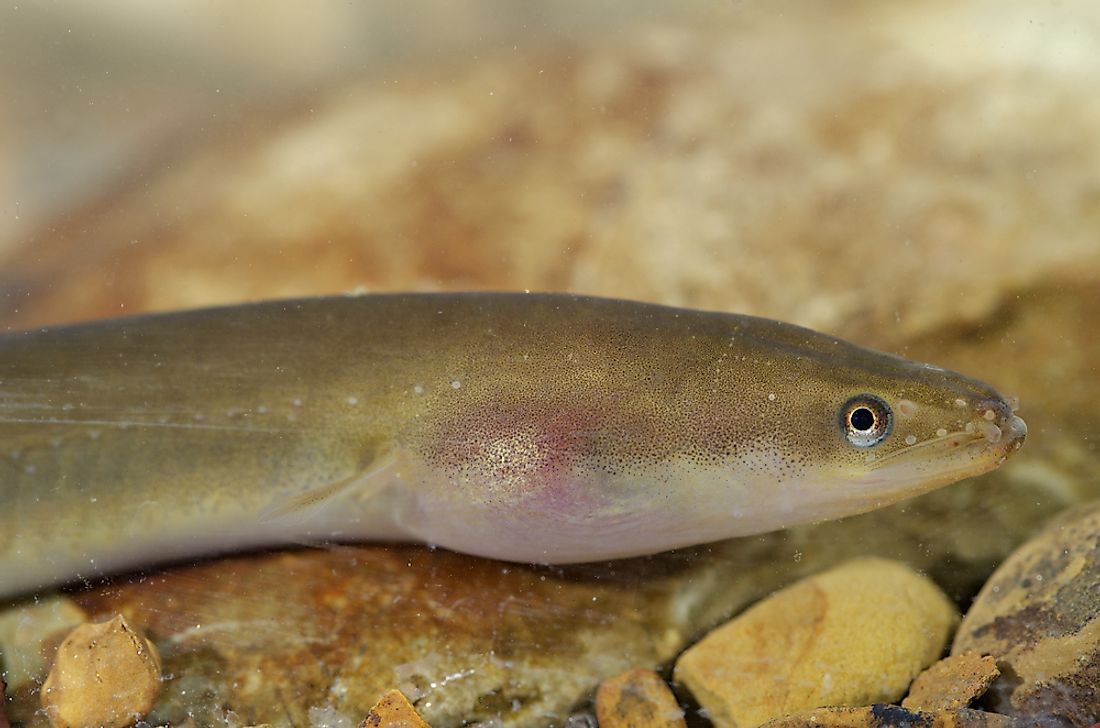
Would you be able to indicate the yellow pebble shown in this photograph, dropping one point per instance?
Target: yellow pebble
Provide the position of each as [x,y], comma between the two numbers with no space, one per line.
[855,635]
[105,674]
[638,698]
[393,710]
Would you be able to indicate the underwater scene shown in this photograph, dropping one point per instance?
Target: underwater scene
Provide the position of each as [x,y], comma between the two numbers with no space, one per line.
[523,365]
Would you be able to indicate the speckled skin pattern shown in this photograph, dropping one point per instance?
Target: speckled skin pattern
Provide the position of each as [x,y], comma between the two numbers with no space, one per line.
[529,427]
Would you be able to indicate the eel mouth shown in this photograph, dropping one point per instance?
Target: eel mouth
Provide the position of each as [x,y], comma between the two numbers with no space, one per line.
[996,439]
[992,434]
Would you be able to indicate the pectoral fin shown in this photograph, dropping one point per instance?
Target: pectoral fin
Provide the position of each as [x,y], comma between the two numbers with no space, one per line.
[373,478]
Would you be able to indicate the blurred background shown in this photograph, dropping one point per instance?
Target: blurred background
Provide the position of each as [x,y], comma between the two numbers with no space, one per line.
[91,92]
[853,166]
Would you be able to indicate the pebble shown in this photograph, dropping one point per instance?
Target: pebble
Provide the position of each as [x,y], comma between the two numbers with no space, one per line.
[854,635]
[28,631]
[892,716]
[637,698]
[1039,617]
[393,710]
[105,674]
[952,683]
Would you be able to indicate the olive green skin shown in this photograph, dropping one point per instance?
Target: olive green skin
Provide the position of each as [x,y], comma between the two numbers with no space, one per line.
[531,427]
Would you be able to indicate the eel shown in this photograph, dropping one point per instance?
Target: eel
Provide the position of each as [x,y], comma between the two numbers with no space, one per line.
[540,428]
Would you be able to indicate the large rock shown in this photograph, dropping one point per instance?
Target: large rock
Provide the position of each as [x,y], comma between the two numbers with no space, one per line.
[1039,616]
[277,637]
[891,716]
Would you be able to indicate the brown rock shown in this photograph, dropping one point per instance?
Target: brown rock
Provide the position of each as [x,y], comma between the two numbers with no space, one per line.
[638,698]
[104,674]
[393,710]
[952,683]
[891,716]
[1039,616]
[467,639]
[850,636]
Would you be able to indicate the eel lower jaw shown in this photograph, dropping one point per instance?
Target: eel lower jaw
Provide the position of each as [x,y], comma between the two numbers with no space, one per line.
[979,448]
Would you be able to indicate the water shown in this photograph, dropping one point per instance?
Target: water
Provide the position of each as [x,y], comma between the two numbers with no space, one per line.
[917,179]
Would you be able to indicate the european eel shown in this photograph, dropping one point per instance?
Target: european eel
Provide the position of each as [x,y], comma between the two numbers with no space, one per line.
[543,428]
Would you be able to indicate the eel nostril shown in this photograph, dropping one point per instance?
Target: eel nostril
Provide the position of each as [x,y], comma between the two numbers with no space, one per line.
[995,418]
[993,409]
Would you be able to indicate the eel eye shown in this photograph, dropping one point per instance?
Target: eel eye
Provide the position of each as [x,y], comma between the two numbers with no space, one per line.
[866,420]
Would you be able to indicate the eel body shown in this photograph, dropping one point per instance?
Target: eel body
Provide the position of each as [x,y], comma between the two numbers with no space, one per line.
[537,428]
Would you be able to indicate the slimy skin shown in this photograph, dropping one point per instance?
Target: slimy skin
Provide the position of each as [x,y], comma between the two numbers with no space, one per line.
[533,428]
